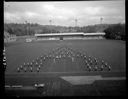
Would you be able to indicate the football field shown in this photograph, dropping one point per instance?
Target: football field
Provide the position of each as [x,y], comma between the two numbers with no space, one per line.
[63,64]
[113,52]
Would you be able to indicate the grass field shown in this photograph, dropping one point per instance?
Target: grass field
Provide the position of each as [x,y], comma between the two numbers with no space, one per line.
[111,51]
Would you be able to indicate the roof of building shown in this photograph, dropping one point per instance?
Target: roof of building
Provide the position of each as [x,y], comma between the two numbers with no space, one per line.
[77,33]
[94,33]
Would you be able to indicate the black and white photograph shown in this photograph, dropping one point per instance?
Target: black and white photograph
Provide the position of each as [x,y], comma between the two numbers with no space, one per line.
[64,48]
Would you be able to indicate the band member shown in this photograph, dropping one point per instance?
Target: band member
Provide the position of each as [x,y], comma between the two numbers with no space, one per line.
[44,58]
[25,69]
[41,57]
[24,65]
[18,69]
[96,62]
[101,68]
[31,69]
[86,62]
[39,66]
[38,69]
[21,67]
[109,68]
[91,62]
[30,64]
[36,64]
[85,57]
[72,59]
[102,62]
[54,60]
[105,64]
[33,61]
[89,68]
[95,68]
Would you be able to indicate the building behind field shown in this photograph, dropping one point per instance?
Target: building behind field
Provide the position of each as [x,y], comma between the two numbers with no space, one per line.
[69,36]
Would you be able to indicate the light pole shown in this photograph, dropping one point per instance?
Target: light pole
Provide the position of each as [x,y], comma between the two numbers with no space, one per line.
[27,27]
[50,21]
[101,19]
[76,22]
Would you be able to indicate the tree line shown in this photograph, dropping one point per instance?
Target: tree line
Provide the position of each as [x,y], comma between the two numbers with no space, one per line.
[113,31]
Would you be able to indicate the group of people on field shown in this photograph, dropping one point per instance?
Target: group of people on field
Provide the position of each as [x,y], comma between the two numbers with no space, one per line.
[90,63]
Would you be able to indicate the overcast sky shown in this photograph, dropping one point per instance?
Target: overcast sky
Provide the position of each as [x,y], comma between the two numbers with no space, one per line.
[64,13]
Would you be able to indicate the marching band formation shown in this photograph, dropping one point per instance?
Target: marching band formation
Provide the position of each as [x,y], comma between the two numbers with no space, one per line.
[90,63]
